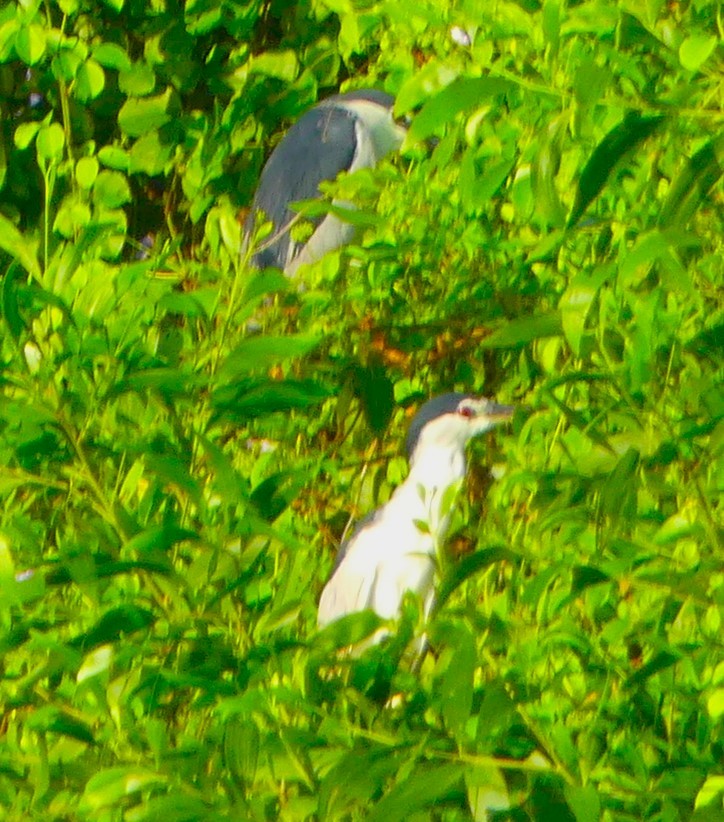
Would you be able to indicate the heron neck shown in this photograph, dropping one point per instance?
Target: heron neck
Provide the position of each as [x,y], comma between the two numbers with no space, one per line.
[421,494]
[437,467]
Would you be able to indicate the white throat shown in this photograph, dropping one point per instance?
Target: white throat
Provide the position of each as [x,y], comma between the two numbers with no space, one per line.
[422,496]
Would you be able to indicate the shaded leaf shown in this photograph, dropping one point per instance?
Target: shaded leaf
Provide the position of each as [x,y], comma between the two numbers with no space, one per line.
[49,718]
[19,247]
[690,189]
[373,387]
[126,619]
[660,662]
[584,576]
[260,353]
[622,139]
[426,787]
[469,565]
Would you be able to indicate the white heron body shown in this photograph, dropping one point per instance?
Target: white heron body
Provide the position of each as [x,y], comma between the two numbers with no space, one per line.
[396,549]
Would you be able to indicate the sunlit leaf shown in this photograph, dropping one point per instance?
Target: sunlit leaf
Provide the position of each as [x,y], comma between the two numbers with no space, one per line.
[139,116]
[523,330]
[463,94]
[110,785]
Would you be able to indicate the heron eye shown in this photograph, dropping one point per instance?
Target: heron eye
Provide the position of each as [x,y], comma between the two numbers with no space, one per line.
[466,411]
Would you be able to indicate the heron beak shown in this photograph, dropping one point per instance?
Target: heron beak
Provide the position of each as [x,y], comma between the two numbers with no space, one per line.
[495,412]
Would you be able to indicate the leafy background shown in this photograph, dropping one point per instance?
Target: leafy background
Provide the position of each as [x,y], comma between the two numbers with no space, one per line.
[183,440]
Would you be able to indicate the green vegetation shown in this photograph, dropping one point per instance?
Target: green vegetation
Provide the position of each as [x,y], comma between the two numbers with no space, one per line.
[183,440]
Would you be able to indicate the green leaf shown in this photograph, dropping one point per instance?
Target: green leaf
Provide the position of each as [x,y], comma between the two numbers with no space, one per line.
[173,470]
[241,750]
[86,172]
[50,143]
[150,154]
[267,282]
[112,785]
[268,397]
[577,300]
[30,43]
[19,247]
[467,567]
[691,187]
[456,684]
[274,494]
[710,792]
[25,134]
[9,302]
[48,718]
[584,802]
[111,189]
[256,354]
[350,630]
[89,81]
[430,79]
[114,624]
[487,792]
[424,788]
[282,65]
[523,330]
[374,389]
[227,481]
[114,157]
[621,140]
[544,170]
[695,50]
[9,26]
[463,94]
[176,807]
[158,538]
[137,80]
[585,576]
[618,495]
[660,662]
[476,189]
[112,56]
[139,116]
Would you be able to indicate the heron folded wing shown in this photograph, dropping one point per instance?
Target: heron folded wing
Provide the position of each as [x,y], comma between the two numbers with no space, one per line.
[316,148]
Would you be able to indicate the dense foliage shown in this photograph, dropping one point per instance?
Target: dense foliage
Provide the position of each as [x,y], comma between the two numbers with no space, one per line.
[183,440]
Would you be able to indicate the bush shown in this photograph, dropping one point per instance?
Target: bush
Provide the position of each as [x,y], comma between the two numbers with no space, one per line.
[183,440]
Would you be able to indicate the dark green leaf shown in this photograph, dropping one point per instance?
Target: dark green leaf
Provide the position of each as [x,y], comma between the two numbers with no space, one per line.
[374,389]
[690,188]
[114,624]
[468,566]
[660,662]
[622,139]
[584,576]
[9,302]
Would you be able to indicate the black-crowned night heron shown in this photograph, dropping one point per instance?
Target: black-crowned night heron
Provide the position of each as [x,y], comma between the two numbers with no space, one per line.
[343,133]
[395,549]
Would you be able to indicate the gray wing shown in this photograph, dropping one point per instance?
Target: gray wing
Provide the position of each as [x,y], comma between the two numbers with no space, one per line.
[316,148]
